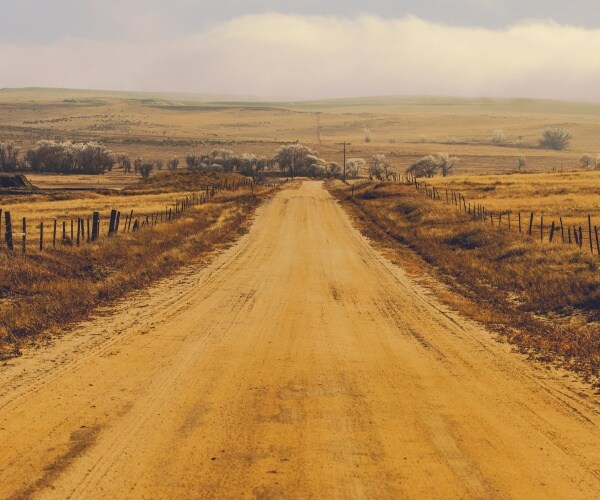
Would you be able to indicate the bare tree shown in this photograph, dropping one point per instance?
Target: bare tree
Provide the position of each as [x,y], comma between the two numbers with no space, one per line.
[293,158]
[354,166]
[555,138]
[9,157]
[334,169]
[425,167]
[173,163]
[193,160]
[586,160]
[124,162]
[376,169]
[146,169]
[137,165]
[251,165]
[446,163]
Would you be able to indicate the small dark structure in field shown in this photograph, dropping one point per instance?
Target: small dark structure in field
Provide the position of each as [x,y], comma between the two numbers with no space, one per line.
[15,181]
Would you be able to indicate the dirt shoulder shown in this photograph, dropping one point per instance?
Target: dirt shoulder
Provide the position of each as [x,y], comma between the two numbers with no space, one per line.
[43,292]
[540,298]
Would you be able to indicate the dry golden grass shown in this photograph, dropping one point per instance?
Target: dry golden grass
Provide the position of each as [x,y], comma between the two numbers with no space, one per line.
[161,126]
[41,291]
[543,297]
[152,196]
[570,195]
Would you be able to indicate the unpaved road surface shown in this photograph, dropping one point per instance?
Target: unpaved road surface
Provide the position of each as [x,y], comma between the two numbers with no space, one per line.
[299,363]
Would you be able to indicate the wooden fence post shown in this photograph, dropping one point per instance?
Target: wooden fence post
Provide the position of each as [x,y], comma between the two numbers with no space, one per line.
[78,231]
[552,228]
[54,235]
[111,223]
[542,228]
[520,231]
[562,230]
[8,231]
[95,225]
[530,225]
[24,234]
[580,237]
[590,233]
[41,236]
[597,240]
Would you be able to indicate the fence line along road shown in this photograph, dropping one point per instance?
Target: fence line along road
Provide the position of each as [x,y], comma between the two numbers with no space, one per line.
[585,236]
[76,231]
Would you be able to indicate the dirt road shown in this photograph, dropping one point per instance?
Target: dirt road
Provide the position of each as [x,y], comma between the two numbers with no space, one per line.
[299,363]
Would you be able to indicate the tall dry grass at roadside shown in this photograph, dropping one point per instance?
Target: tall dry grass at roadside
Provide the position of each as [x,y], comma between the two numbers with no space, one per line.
[545,298]
[570,195]
[41,291]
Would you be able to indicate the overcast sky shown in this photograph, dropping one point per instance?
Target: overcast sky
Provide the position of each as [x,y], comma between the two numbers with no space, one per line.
[306,49]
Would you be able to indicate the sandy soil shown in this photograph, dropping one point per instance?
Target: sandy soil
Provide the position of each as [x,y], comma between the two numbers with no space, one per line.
[300,363]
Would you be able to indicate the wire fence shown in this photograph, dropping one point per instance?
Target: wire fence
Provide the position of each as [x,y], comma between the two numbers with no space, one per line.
[584,235]
[21,235]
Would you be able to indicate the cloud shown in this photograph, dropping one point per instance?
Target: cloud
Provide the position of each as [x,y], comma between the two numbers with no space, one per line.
[294,56]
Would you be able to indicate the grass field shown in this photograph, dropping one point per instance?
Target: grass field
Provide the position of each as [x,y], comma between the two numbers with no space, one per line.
[570,195]
[164,125]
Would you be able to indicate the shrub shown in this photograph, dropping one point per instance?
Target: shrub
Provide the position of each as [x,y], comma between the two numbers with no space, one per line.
[555,138]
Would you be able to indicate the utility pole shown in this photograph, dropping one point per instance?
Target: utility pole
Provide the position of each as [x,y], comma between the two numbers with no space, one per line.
[344,144]
[318,127]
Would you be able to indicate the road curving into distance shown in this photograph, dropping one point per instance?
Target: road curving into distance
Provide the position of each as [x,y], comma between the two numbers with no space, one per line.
[301,364]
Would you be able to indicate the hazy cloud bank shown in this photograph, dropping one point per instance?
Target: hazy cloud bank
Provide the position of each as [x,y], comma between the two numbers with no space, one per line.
[295,56]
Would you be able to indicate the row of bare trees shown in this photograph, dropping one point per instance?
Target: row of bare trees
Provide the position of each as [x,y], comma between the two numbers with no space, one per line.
[57,157]
[430,165]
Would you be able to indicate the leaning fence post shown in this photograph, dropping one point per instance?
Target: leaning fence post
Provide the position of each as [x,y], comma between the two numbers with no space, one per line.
[8,231]
[530,224]
[552,228]
[580,237]
[562,230]
[597,240]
